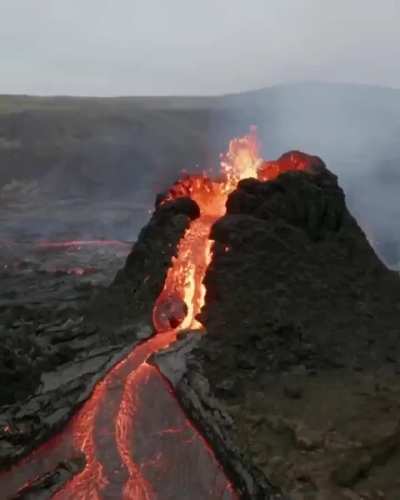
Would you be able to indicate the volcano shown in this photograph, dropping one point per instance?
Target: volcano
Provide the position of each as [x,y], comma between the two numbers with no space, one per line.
[240,285]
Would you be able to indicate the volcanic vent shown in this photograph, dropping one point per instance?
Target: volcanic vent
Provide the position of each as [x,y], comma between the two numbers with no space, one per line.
[259,256]
[133,446]
[302,352]
[174,249]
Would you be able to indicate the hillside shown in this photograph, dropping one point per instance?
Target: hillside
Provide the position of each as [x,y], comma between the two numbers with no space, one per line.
[131,147]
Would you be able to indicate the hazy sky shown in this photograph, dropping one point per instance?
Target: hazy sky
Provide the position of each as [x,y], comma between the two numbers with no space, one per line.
[109,47]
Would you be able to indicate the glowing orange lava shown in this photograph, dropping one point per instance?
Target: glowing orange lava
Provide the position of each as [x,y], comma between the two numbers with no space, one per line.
[184,280]
[136,439]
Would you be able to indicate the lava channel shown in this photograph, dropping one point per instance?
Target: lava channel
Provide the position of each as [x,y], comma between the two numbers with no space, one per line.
[136,439]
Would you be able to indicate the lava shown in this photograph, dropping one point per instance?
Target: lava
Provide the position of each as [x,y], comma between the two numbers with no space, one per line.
[109,398]
[136,439]
[185,277]
[184,282]
[176,308]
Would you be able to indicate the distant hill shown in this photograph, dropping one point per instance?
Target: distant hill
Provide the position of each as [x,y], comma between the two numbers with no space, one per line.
[115,142]
[353,125]
[134,146]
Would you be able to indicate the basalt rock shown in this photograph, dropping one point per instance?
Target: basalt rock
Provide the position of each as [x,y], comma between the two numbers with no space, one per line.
[209,414]
[45,486]
[130,298]
[294,280]
[301,353]
[27,423]
[296,297]
[50,369]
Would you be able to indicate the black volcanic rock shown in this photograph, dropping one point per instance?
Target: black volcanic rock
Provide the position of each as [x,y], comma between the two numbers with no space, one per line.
[302,324]
[293,277]
[47,376]
[295,385]
[128,303]
[158,240]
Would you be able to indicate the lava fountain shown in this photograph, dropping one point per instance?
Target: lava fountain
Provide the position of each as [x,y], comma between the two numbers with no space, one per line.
[183,295]
[137,442]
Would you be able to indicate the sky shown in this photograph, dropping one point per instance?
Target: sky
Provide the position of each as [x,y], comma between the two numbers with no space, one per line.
[195,47]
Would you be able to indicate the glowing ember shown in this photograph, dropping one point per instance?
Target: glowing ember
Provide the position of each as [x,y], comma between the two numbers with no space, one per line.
[136,439]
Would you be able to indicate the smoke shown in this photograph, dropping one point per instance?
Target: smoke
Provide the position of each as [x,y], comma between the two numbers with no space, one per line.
[353,128]
[92,168]
[107,159]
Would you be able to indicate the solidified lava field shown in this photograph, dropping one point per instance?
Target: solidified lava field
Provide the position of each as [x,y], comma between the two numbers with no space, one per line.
[132,416]
[137,442]
[312,318]
[135,439]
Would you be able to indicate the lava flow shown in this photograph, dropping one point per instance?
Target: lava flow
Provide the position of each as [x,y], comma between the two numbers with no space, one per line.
[183,295]
[182,298]
[137,441]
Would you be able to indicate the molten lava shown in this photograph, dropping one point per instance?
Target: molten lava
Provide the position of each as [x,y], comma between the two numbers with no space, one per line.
[184,283]
[177,307]
[136,439]
[184,280]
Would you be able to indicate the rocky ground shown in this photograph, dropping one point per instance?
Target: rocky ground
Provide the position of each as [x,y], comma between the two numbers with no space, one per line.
[67,316]
[302,345]
[296,383]
[49,357]
[67,346]
[299,436]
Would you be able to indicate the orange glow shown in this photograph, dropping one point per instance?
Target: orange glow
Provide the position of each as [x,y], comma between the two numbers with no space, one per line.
[242,160]
[183,295]
[295,160]
[184,282]
[92,481]
[133,447]
[177,306]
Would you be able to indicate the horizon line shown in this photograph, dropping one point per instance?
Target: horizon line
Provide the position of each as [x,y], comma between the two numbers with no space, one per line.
[200,96]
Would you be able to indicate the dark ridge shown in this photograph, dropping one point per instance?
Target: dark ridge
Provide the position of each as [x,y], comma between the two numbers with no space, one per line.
[130,298]
[302,334]
[290,262]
